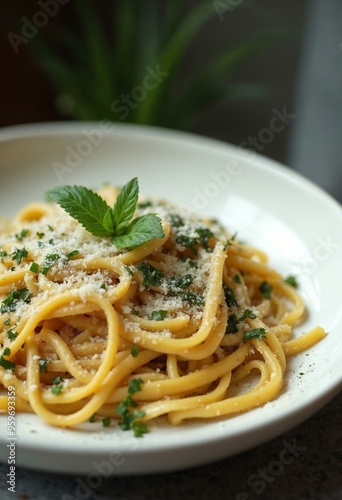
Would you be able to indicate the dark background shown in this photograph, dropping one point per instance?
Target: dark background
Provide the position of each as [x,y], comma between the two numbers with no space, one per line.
[27,95]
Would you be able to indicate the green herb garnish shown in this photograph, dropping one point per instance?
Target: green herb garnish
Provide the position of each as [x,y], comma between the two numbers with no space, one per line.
[20,236]
[106,421]
[57,385]
[97,217]
[248,314]
[151,275]
[9,304]
[48,263]
[192,298]
[266,289]
[291,280]
[72,254]
[129,418]
[34,268]
[19,254]
[182,282]
[11,335]
[6,363]
[232,323]
[229,296]
[158,315]
[256,333]
[43,365]
[135,350]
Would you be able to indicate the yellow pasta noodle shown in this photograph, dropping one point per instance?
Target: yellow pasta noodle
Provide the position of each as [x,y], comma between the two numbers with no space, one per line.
[192,318]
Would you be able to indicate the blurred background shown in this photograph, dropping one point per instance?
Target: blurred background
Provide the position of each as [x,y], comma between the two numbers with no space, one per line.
[262,74]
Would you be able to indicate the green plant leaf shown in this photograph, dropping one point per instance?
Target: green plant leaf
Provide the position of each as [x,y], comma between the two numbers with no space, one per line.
[97,48]
[84,205]
[171,55]
[140,231]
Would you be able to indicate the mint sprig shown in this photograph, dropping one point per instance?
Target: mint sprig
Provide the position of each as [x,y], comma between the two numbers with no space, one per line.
[97,217]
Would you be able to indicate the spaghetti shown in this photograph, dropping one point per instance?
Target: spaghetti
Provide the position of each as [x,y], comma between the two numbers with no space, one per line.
[197,319]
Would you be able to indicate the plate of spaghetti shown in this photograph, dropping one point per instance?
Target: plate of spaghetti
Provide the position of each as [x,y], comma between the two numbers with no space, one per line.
[165,300]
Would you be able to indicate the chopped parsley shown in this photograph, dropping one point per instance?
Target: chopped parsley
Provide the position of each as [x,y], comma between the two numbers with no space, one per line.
[145,204]
[6,363]
[22,235]
[40,235]
[151,275]
[192,298]
[192,242]
[19,254]
[237,278]
[57,385]
[9,304]
[135,350]
[11,335]
[229,296]
[248,314]
[256,333]
[182,282]
[266,289]
[291,280]
[158,315]
[232,323]
[34,267]
[3,253]
[106,421]
[176,220]
[48,263]
[72,254]
[43,365]
[129,418]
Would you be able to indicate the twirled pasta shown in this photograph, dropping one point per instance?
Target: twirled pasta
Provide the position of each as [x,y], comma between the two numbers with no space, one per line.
[186,314]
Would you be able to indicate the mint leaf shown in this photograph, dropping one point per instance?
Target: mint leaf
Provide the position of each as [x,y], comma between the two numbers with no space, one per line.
[125,206]
[140,230]
[85,206]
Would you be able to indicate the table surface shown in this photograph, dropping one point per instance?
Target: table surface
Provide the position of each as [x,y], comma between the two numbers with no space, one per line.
[311,471]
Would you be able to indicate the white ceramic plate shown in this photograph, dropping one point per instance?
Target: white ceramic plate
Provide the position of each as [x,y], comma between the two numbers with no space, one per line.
[294,221]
